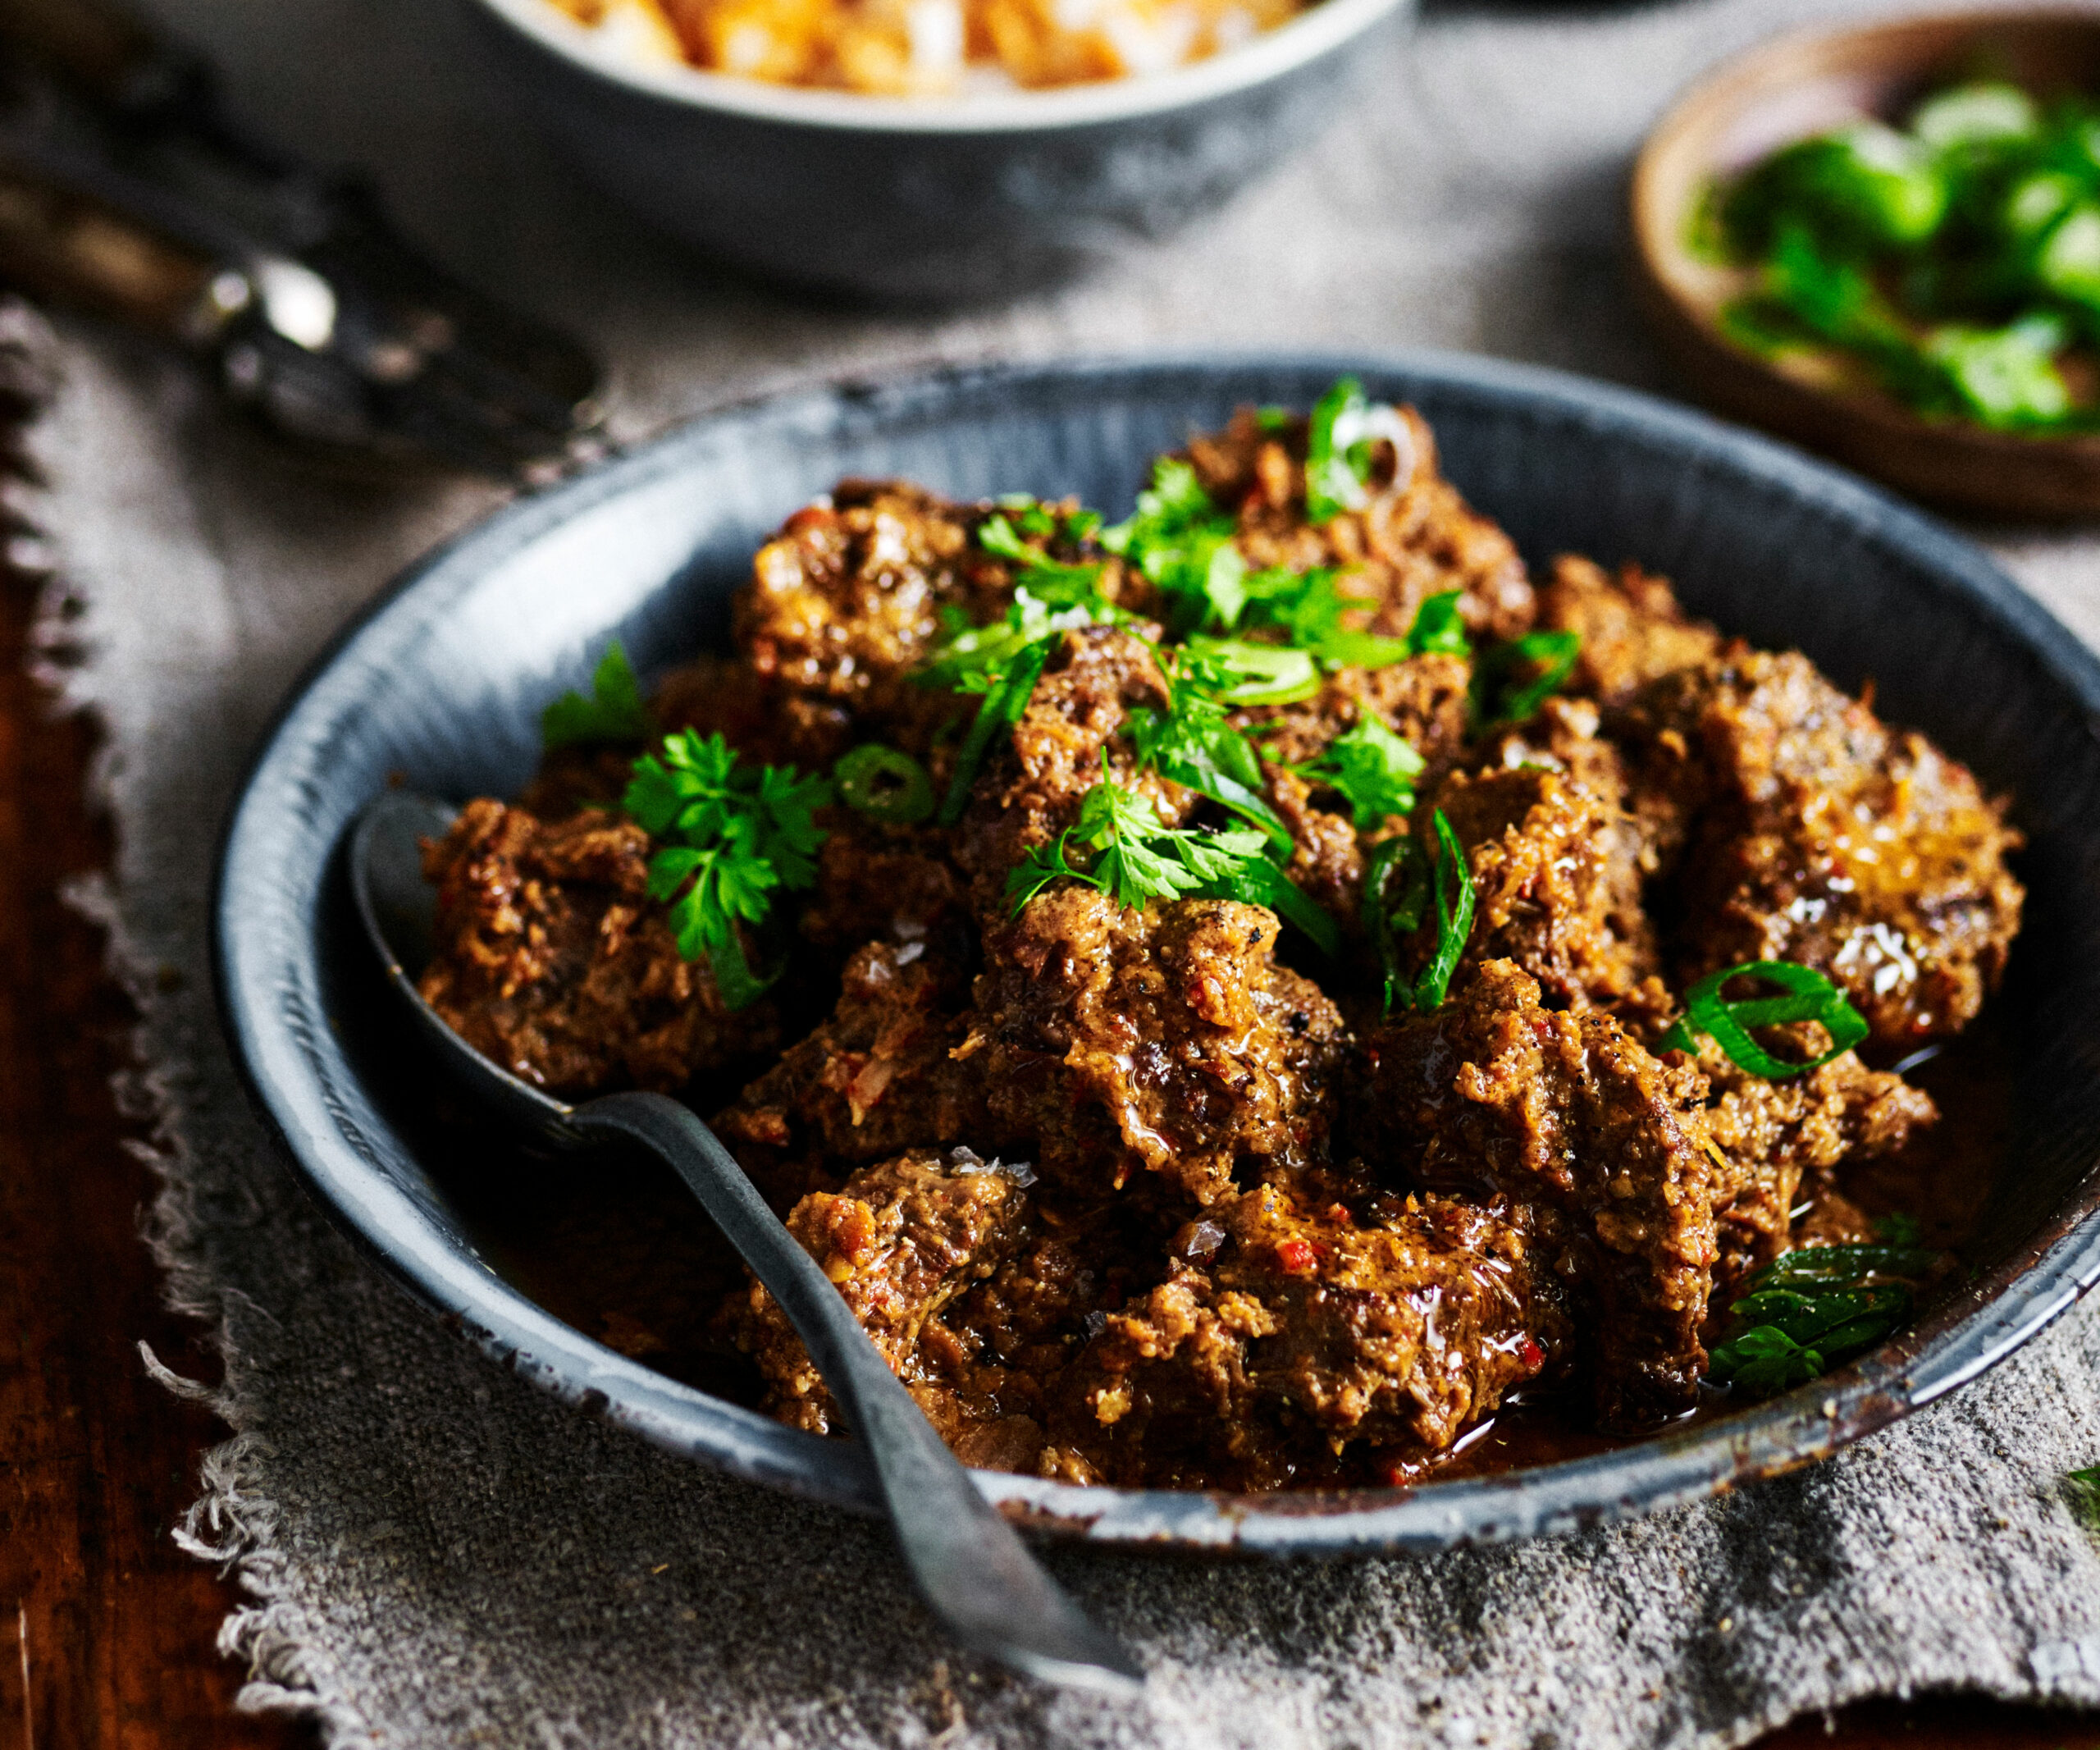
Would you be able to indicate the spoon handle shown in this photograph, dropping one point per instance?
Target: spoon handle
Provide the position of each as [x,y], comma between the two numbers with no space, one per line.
[970,1565]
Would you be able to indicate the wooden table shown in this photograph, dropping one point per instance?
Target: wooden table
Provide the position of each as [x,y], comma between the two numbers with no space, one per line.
[107,1630]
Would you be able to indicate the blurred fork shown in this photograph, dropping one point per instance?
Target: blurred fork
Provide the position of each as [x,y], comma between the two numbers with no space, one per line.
[124,189]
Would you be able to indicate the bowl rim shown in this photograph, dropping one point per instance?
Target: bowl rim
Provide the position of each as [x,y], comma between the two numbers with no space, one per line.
[1323,27]
[1659,254]
[274,1039]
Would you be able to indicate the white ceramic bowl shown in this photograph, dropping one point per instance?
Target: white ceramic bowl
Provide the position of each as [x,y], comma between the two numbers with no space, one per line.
[926,199]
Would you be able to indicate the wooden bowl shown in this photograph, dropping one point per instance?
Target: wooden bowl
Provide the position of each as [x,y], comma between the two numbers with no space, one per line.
[1803,83]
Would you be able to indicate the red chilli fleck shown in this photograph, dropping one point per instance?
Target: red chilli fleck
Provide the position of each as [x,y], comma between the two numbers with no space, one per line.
[1296,1257]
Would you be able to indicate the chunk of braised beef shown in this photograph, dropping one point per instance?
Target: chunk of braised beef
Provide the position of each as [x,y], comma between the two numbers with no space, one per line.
[900,1240]
[1556,888]
[1034,779]
[1305,1333]
[1116,1044]
[879,882]
[1414,537]
[551,960]
[766,720]
[876,1078]
[1775,1142]
[1799,828]
[1632,630]
[1423,700]
[845,603]
[1495,1097]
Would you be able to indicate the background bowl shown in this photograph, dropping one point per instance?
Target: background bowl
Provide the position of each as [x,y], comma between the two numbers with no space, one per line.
[1800,85]
[926,200]
[443,682]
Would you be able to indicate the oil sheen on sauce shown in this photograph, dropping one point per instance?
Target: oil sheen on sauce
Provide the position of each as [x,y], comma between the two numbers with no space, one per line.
[613,1247]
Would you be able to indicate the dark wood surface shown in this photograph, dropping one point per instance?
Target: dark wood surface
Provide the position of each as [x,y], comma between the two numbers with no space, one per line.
[107,1630]
[112,1625]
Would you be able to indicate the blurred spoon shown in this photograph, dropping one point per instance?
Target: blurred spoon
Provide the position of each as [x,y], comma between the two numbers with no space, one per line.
[970,1566]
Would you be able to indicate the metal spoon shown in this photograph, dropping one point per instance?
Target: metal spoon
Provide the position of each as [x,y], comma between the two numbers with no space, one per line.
[970,1566]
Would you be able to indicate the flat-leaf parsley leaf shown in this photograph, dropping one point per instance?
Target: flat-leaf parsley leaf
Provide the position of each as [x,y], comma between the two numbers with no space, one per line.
[1180,541]
[1817,1305]
[614,711]
[1134,855]
[1124,848]
[731,835]
[1373,768]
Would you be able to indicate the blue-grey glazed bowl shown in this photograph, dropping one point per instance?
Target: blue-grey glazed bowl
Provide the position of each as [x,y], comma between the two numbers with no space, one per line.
[926,200]
[443,682]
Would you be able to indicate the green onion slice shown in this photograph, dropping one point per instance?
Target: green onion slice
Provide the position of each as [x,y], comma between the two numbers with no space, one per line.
[1004,704]
[1810,996]
[885,784]
[1455,918]
[1392,915]
[1397,886]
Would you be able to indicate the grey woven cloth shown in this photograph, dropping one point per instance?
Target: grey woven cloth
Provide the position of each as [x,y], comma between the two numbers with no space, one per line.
[435,1556]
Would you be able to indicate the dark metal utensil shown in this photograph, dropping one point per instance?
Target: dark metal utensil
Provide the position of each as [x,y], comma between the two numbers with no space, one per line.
[124,189]
[970,1566]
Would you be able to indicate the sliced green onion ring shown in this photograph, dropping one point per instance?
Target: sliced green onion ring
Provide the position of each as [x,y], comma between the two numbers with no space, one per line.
[1810,996]
[884,783]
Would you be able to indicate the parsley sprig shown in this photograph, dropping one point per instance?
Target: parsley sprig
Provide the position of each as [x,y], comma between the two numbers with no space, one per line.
[1126,850]
[1192,743]
[1810,996]
[1058,582]
[613,712]
[1134,855]
[732,835]
[1439,626]
[1180,540]
[1373,768]
[1815,1306]
[1512,680]
[1309,608]
[1397,888]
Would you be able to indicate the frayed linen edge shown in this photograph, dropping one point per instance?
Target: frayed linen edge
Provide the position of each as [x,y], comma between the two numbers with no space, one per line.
[232,1524]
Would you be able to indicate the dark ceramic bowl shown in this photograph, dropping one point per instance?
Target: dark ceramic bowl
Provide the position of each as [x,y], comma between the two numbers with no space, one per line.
[444,680]
[925,199]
